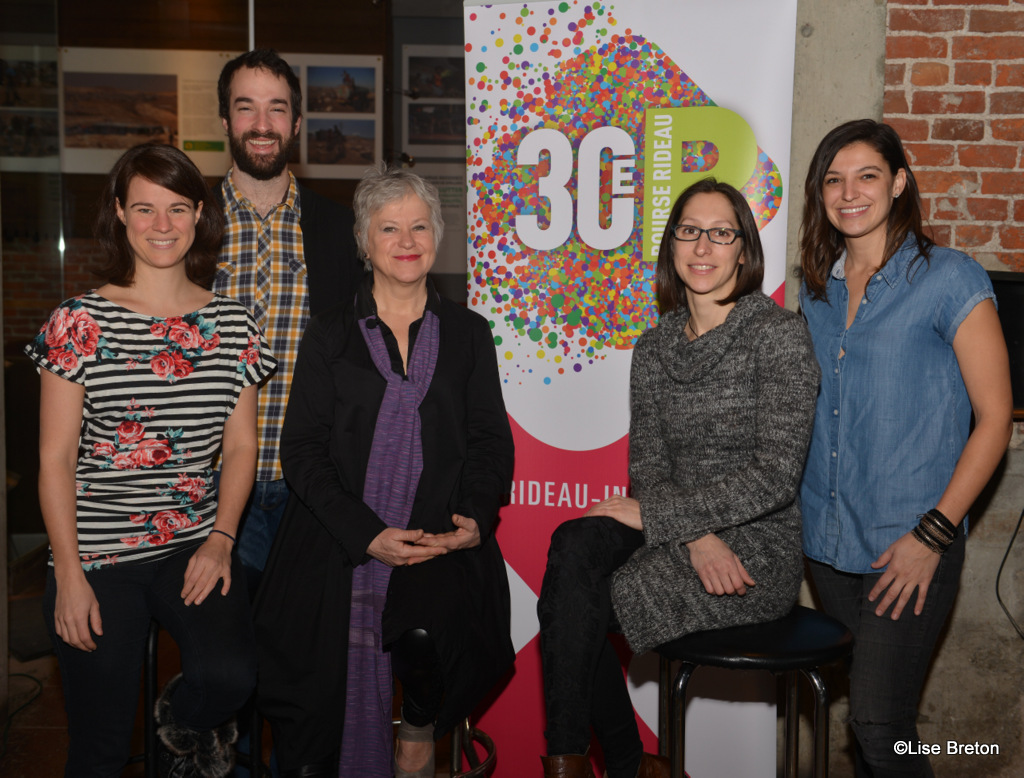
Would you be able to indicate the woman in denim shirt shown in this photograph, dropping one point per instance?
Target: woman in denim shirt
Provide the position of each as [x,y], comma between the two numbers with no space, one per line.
[909,344]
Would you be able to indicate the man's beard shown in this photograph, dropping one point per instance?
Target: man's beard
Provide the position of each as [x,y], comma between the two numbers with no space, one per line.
[262,168]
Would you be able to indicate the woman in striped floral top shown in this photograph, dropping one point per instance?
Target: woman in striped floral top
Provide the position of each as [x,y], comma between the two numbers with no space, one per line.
[144,382]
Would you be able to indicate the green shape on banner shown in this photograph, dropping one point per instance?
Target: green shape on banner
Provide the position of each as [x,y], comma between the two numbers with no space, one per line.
[666,132]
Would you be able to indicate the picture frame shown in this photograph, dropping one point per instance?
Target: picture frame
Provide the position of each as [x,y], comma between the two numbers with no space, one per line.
[433,117]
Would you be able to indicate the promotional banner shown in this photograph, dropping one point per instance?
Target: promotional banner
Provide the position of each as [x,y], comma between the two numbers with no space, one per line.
[584,121]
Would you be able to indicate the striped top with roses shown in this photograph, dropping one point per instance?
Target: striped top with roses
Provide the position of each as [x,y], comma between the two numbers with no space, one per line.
[157,394]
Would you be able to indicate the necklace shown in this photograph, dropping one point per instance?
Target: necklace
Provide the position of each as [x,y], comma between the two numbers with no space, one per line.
[689,324]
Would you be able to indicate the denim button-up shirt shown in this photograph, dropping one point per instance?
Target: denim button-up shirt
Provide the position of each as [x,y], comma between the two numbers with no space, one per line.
[892,414]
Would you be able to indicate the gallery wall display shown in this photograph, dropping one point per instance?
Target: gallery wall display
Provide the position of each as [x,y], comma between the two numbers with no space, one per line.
[112,99]
[434,101]
[343,132]
[29,120]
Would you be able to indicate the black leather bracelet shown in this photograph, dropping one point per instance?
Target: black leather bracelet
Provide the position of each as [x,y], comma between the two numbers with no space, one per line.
[940,520]
[222,532]
[927,541]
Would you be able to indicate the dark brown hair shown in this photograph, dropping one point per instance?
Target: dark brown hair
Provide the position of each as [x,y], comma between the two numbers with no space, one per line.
[671,289]
[258,59]
[821,244]
[170,168]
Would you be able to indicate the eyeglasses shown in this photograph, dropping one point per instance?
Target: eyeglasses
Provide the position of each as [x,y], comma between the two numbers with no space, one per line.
[720,235]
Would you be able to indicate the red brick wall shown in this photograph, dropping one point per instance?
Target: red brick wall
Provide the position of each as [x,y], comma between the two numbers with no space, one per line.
[954,90]
[31,273]
[32,283]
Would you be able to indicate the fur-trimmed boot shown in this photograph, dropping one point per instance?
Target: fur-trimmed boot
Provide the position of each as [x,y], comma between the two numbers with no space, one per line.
[203,753]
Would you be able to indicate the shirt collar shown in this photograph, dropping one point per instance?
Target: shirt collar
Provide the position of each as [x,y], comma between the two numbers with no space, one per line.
[367,306]
[893,270]
[234,199]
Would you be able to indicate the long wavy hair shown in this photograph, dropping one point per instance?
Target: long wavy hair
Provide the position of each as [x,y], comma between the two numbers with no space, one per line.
[821,244]
[671,289]
[170,168]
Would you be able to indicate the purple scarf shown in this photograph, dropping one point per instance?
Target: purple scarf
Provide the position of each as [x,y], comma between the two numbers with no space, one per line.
[392,476]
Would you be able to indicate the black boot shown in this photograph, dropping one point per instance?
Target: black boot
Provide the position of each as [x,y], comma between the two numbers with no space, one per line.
[202,753]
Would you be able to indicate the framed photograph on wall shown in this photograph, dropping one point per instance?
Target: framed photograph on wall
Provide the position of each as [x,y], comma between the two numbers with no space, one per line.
[112,99]
[342,125]
[433,101]
[29,121]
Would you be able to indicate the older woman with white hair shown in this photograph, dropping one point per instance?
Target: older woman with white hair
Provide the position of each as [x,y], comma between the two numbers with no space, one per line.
[397,446]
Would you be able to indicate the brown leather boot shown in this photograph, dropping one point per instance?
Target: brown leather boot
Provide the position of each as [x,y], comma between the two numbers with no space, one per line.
[652,766]
[567,766]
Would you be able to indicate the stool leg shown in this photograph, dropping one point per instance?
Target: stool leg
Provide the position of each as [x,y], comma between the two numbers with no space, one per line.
[792,724]
[149,699]
[677,748]
[456,751]
[468,747]
[256,743]
[820,723]
[664,703]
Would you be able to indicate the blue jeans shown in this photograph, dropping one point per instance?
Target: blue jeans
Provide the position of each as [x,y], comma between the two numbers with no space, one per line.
[890,661]
[260,520]
[101,687]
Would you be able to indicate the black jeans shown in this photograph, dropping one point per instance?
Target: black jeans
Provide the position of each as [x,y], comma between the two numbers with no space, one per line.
[583,682]
[101,687]
[890,661]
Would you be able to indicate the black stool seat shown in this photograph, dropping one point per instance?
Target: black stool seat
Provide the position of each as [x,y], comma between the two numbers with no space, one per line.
[803,638]
[797,644]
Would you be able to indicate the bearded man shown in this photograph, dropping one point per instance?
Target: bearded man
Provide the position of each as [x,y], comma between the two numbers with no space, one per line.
[288,253]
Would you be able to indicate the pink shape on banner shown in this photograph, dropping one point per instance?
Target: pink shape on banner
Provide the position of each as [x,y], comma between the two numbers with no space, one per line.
[542,501]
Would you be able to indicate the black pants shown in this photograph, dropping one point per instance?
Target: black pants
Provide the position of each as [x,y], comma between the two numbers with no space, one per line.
[101,687]
[583,682]
[890,661]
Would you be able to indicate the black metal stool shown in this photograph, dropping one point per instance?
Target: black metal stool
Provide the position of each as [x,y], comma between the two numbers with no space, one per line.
[463,737]
[800,642]
[149,694]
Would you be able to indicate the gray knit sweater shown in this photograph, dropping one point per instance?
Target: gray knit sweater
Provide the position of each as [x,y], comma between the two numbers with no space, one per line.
[718,436]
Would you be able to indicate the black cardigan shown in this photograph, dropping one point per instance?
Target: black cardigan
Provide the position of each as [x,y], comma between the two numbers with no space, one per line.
[462,597]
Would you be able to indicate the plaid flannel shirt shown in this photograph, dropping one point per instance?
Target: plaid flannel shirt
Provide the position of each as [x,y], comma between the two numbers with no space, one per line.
[261,265]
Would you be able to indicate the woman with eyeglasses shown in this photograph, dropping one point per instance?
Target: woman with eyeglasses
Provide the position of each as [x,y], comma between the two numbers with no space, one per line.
[722,402]
[910,345]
